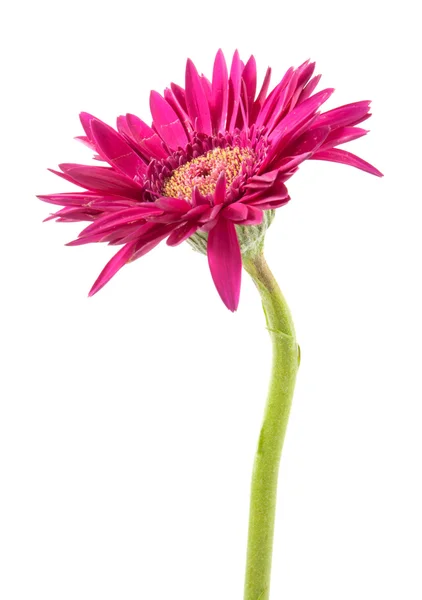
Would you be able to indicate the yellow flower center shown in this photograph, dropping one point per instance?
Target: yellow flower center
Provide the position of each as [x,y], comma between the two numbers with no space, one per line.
[203,172]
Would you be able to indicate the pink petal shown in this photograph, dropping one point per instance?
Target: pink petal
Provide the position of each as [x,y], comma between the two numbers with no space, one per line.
[180,95]
[179,110]
[309,88]
[86,119]
[131,251]
[173,204]
[116,151]
[283,141]
[268,197]
[276,100]
[167,122]
[99,179]
[347,158]
[120,218]
[207,87]
[123,127]
[85,141]
[146,137]
[115,264]
[219,93]
[153,241]
[271,203]
[300,113]
[215,211]
[243,114]
[243,214]
[262,181]
[234,91]
[255,216]
[341,135]
[70,199]
[181,234]
[73,213]
[235,212]
[220,189]
[112,203]
[138,231]
[344,115]
[198,199]
[199,213]
[257,105]
[88,239]
[209,219]
[225,262]
[293,121]
[304,74]
[249,77]
[290,162]
[122,236]
[280,108]
[138,128]
[144,233]
[309,141]
[196,101]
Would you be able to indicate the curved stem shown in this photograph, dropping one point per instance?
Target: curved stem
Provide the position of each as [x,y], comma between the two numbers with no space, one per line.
[286,358]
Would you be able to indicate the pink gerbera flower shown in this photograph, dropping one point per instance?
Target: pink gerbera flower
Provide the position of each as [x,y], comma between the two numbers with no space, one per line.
[210,169]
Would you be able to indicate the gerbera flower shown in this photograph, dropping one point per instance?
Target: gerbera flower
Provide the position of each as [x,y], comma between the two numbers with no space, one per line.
[210,169]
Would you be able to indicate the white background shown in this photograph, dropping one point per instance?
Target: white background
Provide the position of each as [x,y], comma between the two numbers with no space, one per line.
[129,421]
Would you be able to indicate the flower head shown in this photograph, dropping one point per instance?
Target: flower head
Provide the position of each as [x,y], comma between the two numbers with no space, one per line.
[210,169]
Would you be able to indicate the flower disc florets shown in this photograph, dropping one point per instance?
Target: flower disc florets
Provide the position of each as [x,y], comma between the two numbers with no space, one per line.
[201,163]
[210,169]
[203,172]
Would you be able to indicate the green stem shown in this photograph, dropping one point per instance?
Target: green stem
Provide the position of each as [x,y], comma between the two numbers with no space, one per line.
[286,357]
